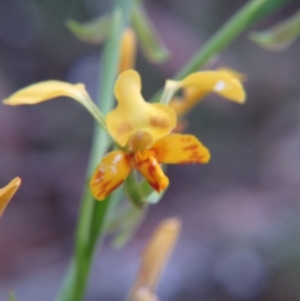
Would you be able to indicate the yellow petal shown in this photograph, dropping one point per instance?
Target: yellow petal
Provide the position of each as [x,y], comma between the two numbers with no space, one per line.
[133,114]
[7,192]
[147,165]
[215,81]
[43,91]
[154,259]
[128,50]
[109,174]
[179,149]
[198,85]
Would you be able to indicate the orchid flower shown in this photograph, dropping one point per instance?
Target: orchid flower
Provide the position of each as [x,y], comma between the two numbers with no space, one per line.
[143,132]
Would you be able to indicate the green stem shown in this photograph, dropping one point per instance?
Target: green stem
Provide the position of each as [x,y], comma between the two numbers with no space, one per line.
[246,16]
[228,32]
[93,214]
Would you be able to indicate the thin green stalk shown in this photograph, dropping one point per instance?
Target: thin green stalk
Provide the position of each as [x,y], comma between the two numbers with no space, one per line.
[93,214]
[252,12]
[92,223]
[246,16]
[100,216]
[228,32]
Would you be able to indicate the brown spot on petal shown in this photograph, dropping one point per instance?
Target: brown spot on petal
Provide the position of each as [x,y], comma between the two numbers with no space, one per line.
[196,157]
[154,185]
[159,122]
[97,178]
[124,128]
[114,187]
[103,188]
[191,147]
[151,170]
[184,139]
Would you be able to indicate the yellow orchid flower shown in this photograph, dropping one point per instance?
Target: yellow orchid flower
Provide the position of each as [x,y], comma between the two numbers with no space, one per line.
[7,192]
[143,131]
[196,86]
[128,50]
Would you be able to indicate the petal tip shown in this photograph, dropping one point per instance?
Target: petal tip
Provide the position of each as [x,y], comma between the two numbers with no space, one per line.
[207,157]
[128,78]
[173,223]
[8,102]
[16,182]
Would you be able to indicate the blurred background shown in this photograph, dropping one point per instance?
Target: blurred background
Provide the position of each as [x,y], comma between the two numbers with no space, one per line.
[240,213]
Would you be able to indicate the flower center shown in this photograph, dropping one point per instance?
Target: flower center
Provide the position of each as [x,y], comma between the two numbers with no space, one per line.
[139,141]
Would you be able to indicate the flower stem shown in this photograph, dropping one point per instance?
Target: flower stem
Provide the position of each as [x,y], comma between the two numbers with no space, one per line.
[93,214]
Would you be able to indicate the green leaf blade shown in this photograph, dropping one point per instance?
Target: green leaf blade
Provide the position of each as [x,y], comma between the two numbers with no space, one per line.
[280,36]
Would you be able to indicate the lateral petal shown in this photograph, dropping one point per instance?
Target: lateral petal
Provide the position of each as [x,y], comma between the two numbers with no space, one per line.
[109,174]
[198,85]
[7,192]
[134,114]
[148,166]
[46,90]
[219,82]
[179,149]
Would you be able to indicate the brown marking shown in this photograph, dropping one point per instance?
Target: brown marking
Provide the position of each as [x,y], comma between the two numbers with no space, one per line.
[97,178]
[154,183]
[155,186]
[185,139]
[114,187]
[196,157]
[159,122]
[191,147]
[151,169]
[140,162]
[124,128]
[105,190]
[103,187]
[184,162]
